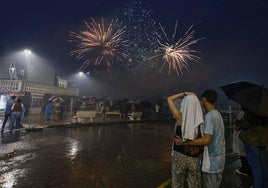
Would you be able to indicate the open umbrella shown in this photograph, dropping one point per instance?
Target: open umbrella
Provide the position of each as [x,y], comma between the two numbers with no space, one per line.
[251,96]
[55,99]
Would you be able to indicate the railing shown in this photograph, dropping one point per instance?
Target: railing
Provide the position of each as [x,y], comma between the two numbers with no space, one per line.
[11,85]
[229,113]
[27,86]
[39,88]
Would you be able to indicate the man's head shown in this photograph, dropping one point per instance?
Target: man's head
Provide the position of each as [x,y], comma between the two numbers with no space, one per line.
[13,97]
[209,99]
[19,100]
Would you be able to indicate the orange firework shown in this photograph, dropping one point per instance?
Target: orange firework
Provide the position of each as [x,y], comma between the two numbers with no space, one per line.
[100,43]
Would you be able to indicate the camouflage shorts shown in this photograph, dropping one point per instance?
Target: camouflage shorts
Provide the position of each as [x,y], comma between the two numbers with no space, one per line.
[185,170]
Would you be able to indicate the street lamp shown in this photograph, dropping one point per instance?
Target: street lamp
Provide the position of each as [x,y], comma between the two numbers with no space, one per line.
[81,73]
[27,54]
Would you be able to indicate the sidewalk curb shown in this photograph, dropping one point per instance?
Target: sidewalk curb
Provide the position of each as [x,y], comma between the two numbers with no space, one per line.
[79,124]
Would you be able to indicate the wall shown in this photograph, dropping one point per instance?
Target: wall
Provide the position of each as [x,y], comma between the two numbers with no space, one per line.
[40,72]
[5,63]
[37,69]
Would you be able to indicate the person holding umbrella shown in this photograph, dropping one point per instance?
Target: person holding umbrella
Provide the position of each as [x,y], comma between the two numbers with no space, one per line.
[238,147]
[253,133]
[254,126]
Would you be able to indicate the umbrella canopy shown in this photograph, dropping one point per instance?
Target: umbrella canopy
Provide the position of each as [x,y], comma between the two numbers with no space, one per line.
[251,96]
[55,99]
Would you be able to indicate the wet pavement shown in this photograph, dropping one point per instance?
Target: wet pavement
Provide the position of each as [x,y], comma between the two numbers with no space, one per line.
[108,153]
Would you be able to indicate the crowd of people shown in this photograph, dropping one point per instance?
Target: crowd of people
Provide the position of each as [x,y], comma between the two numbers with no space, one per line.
[58,107]
[198,150]
[124,106]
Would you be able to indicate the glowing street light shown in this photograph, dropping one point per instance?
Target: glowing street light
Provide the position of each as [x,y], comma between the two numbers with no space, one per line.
[27,52]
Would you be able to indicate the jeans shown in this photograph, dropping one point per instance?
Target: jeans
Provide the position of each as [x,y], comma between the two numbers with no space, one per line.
[15,116]
[264,163]
[257,159]
[211,180]
[5,120]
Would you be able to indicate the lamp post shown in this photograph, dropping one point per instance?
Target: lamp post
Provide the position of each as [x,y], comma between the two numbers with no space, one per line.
[27,54]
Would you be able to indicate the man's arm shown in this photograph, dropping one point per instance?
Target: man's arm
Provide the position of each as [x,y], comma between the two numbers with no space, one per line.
[196,142]
[12,107]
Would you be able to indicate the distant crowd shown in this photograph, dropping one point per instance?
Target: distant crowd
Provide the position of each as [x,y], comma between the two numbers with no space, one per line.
[124,106]
[151,110]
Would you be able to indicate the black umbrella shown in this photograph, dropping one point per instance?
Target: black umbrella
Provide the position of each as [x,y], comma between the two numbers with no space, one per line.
[251,96]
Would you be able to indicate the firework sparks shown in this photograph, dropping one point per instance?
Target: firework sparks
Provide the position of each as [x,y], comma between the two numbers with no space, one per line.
[141,30]
[178,54]
[100,43]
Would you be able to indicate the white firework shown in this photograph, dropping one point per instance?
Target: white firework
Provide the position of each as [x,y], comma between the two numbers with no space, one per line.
[178,54]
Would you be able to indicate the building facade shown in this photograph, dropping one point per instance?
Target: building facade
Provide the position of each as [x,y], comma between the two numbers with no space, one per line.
[35,84]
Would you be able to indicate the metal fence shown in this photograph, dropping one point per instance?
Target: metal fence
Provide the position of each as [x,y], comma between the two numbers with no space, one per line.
[229,114]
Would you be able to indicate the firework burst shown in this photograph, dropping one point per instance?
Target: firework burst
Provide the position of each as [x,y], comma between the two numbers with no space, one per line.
[177,54]
[141,31]
[100,43]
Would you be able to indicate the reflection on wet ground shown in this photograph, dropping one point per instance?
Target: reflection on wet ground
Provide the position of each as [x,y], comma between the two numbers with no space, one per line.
[110,156]
[131,155]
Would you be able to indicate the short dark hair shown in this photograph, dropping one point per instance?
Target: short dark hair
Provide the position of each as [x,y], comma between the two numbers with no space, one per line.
[19,100]
[210,95]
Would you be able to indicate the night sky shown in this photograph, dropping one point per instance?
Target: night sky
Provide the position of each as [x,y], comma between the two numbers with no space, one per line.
[234,48]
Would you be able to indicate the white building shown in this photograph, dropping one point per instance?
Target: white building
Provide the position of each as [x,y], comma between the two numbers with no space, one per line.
[34,83]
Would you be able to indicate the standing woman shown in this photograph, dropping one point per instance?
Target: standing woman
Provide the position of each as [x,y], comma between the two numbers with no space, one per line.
[16,115]
[185,165]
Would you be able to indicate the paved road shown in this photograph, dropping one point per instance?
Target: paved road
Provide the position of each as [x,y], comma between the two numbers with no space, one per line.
[106,155]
